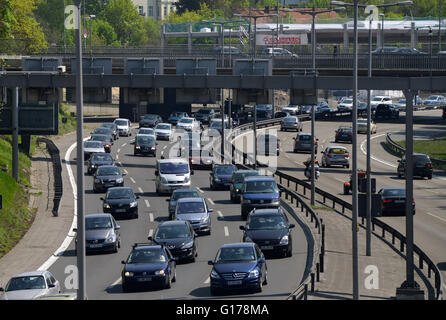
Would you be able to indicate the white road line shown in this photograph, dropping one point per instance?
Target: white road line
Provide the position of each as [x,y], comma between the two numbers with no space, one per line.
[220,214]
[117,156]
[140,190]
[226,231]
[207,280]
[211,201]
[200,190]
[164,147]
[116,282]
[147,203]
[124,144]
[126,172]
[340,180]
[119,150]
[150,232]
[433,215]
[151,217]
[132,180]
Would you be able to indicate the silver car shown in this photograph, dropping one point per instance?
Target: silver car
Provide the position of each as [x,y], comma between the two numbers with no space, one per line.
[335,155]
[291,123]
[302,142]
[92,147]
[196,211]
[30,285]
[163,131]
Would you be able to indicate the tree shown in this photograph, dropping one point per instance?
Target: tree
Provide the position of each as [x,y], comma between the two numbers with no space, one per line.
[187,5]
[103,33]
[94,6]
[7,19]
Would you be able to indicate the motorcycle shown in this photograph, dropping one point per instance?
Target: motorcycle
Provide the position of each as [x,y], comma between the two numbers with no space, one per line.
[308,168]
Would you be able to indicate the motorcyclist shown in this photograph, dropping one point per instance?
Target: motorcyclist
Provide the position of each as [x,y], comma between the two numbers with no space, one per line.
[308,167]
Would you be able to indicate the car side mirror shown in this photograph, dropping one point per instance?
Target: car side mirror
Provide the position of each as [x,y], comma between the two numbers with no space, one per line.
[322,152]
[51,285]
[124,174]
[74,229]
[167,200]
[210,262]
[150,238]
[156,171]
[242,228]
[292,226]
[102,198]
[122,262]
[118,228]
[262,260]
[399,160]
[195,234]
[174,259]
[137,197]
[192,172]
[2,290]
[210,210]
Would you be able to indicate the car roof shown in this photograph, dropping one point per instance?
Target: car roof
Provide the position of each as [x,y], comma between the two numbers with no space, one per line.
[224,165]
[337,147]
[121,119]
[246,171]
[196,199]
[392,188]
[164,124]
[184,189]
[120,188]
[172,161]
[238,245]
[109,166]
[173,223]
[97,215]
[183,118]
[265,212]
[147,246]
[30,273]
[259,178]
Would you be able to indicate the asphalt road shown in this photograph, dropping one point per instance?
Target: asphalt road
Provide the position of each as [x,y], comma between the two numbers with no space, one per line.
[104,270]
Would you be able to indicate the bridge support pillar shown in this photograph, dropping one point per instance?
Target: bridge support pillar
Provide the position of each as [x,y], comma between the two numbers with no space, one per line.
[346,39]
[378,36]
[189,39]
[413,35]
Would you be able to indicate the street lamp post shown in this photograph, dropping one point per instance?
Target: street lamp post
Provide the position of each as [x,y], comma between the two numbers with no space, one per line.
[382,15]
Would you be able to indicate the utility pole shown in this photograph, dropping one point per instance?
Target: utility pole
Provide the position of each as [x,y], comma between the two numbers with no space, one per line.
[15,133]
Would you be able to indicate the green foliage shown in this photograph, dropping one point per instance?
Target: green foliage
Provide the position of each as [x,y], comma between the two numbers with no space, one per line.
[7,19]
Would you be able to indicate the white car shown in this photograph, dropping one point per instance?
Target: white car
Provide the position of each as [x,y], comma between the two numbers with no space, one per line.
[380,100]
[434,101]
[30,285]
[124,126]
[291,109]
[346,105]
[163,131]
[147,131]
[189,124]
[171,174]
[91,147]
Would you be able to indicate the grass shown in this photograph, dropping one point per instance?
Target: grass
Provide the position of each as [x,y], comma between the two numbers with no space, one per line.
[435,148]
[314,207]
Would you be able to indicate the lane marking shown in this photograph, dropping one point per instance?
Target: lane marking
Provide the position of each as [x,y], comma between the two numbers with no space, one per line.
[211,201]
[117,156]
[200,190]
[226,231]
[220,214]
[164,147]
[207,280]
[116,282]
[151,217]
[150,232]
[147,203]
[140,190]
[119,150]
[433,215]
[123,145]
[133,180]
[126,172]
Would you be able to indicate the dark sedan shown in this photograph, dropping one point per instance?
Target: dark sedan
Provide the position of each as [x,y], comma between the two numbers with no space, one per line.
[178,194]
[344,134]
[238,266]
[121,201]
[221,176]
[237,182]
[99,159]
[104,131]
[422,166]
[148,266]
[145,145]
[387,111]
[104,139]
[102,233]
[150,120]
[393,202]
[106,177]
[113,127]
[179,237]
[270,230]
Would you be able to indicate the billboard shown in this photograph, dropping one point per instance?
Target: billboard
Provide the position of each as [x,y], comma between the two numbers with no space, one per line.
[284,39]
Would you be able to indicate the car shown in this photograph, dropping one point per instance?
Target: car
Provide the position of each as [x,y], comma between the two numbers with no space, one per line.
[393,202]
[113,127]
[335,155]
[204,115]
[292,109]
[387,111]
[422,166]
[179,237]
[323,112]
[150,120]
[362,126]
[384,50]
[237,182]
[344,134]
[229,50]
[30,285]
[291,123]
[102,233]
[267,144]
[221,176]
[124,126]
[171,174]
[99,159]
[306,109]
[176,116]
[443,116]
[148,265]
[215,127]
[190,144]
[401,104]
[258,192]
[408,51]
[433,101]
[106,177]
[277,52]
[345,105]
[147,131]
[178,194]
[379,100]
[104,131]
[238,266]
[104,140]
[302,142]
[362,107]
[203,159]
[264,111]
[270,230]
[188,124]
[145,145]
[121,201]
[281,114]
[91,147]
[322,103]
[197,212]
[163,131]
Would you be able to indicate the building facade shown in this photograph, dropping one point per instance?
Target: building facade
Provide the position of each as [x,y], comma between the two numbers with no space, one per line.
[155,9]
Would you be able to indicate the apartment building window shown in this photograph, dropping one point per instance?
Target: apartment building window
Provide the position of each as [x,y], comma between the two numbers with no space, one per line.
[141,10]
[165,10]
[150,11]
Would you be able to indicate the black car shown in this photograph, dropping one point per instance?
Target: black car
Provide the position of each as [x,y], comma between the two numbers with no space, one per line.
[99,159]
[387,111]
[204,115]
[145,144]
[344,134]
[422,166]
[106,141]
[221,176]
[148,266]
[393,202]
[323,111]
[444,113]
[105,131]
[121,201]
[106,177]
[179,237]
[270,230]
[178,194]
[281,114]
[150,120]
[113,127]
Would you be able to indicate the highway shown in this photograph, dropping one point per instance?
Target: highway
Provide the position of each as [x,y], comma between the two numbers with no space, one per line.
[104,270]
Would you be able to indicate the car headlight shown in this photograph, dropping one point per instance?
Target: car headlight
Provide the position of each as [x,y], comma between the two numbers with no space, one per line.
[254,273]
[97,180]
[205,219]
[237,190]
[106,206]
[112,238]
[214,274]
[186,180]
[128,274]
[93,165]
[217,179]
[275,201]
[188,245]
[119,180]
[163,180]
[284,240]
[137,147]
[153,148]
[159,272]
[192,160]
[246,201]
[133,204]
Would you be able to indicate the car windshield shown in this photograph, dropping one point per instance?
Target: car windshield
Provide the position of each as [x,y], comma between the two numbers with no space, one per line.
[174,168]
[290,119]
[101,157]
[119,194]
[239,177]
[99,138]
[272,222]
[146,131]
[121,122]
[190,207]
[163,127]
[108,171]
[337,150]
[102,130]
[217,125]
[175,114]
[172,232]
[346,130]
[362,121]
[235,254]
[402,101]
[184,194]
[394,192]
[204,111]
[93,144]
[145,140]
[261,187]
[147,256]
[304,137]
[432,98]
[377,99]
[26,283]
[347,101]
[150,116]
[108,125]
[224,170]
[92,223]
[420,159]
[186,120]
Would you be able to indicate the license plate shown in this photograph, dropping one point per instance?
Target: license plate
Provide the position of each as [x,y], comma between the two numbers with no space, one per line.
[234,282]
[108,184]
[144,279]
[120,210]
[266,247]
[399,201]
[95,245]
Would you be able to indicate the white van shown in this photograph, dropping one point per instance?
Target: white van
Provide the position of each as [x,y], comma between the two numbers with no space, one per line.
[172,174]
[124,126]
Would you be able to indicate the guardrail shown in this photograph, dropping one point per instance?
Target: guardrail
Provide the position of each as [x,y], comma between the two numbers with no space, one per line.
[57,171]
[301,292]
